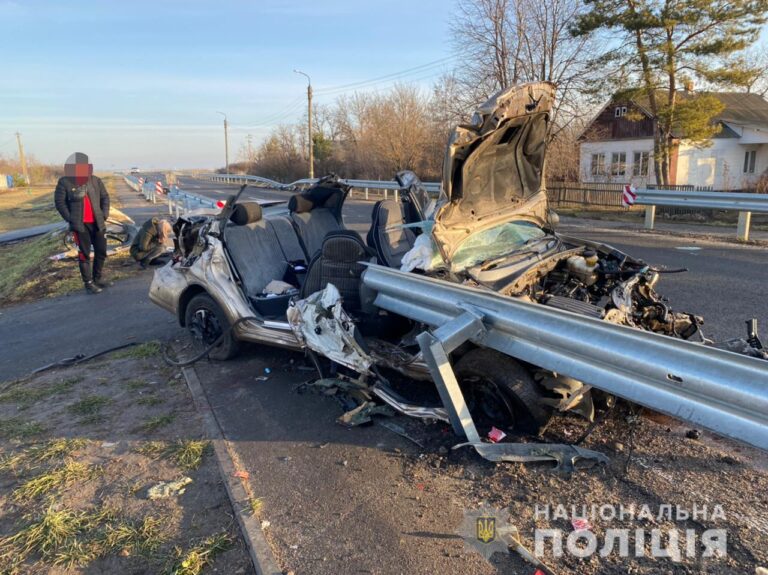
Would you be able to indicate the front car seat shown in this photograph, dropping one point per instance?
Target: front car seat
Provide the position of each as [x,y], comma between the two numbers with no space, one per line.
[386,236]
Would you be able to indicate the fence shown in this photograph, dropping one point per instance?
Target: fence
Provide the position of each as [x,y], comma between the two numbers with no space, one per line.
[609,194]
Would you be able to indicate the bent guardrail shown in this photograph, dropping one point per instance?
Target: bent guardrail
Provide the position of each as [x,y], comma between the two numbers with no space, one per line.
[745,204]
[716,389]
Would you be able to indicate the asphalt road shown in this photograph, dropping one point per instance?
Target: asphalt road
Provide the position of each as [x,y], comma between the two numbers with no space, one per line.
[726,282]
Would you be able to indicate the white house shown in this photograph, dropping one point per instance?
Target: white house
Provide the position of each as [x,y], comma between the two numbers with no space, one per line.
[617,146]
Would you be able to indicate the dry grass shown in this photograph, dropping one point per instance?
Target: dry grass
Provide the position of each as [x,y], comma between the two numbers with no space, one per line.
[194,560]
[25,394]
[185,453]
[19,428]
[256,504]
[142,351]
[37,454]
[155,423]
[188,454]
[62,536]
[53,480]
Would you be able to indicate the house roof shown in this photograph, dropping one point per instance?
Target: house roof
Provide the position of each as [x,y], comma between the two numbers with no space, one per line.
[740,109]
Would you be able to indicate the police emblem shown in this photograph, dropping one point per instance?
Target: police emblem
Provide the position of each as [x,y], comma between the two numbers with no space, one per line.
[483,530]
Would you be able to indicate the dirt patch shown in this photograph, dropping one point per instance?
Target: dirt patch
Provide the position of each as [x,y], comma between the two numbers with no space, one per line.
[104,469]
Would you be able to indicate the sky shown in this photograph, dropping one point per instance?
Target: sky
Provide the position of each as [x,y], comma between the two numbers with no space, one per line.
[137,83]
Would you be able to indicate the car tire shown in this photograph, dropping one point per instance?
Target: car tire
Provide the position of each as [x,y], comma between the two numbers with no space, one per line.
[487,376]
[206,321]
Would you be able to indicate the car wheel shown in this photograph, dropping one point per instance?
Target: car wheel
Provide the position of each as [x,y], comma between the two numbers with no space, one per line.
[500,392]
[205,322]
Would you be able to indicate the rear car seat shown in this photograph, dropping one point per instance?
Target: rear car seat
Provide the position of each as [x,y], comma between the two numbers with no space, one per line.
[312,221]
[338,262]
[258,257]
[389,241]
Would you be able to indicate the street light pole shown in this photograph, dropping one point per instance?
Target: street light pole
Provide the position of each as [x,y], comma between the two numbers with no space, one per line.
[226,141]
[309,124]
[22,159]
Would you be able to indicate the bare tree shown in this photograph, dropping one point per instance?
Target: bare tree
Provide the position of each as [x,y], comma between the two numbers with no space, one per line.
[503,42]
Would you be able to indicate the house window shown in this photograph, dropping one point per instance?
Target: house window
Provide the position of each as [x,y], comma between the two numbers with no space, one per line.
[597,167]
[749,161]
[618,163]
[620,111]
[640,163]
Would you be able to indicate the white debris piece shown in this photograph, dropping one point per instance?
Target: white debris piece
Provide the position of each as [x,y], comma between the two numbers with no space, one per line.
[320,322]
[422,255]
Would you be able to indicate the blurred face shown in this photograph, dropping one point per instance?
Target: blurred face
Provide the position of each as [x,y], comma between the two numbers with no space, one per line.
[79,172]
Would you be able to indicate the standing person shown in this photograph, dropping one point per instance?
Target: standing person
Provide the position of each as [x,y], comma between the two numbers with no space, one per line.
[83,202]
[148,246]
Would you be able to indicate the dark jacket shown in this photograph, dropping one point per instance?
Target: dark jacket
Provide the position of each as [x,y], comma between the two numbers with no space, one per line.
[68,199]
[146,240]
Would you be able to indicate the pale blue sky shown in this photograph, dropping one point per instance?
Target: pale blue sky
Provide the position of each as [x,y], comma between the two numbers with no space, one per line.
[139,83]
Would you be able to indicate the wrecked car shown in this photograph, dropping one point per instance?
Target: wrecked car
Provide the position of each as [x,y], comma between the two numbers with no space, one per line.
[290,275]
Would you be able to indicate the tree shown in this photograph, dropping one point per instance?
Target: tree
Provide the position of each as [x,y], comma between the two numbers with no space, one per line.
[506,42]
[663,45]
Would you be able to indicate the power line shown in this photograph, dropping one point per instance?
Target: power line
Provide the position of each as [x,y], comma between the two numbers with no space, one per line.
[287,110]
[421,72]
[386,77]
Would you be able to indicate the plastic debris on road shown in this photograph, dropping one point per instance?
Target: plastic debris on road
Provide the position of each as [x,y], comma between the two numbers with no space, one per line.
[580,524]
[496,435]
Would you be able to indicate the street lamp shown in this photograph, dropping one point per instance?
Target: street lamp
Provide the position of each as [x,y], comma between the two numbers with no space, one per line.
[226,141]
[309,123]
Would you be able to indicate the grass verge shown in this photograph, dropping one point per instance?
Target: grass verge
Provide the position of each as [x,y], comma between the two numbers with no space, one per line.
[77,499]
[26,207]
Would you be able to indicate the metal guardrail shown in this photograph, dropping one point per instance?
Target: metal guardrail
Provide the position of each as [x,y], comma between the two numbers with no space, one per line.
[179,202]
[365,185]
[716,389]
[745,204]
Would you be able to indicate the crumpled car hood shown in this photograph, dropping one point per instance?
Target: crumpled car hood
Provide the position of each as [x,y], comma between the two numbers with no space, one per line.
[494,167]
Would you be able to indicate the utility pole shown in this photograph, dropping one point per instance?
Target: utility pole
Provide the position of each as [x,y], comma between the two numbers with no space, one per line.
[22,159]
[226,141]
[249,139]
[309,123]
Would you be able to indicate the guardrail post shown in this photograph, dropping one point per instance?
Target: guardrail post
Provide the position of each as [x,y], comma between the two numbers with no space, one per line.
[366,193]
[386,192]
[650,217]
[397,195]
[742,231]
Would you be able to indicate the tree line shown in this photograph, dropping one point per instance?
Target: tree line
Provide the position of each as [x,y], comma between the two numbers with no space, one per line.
[591,49]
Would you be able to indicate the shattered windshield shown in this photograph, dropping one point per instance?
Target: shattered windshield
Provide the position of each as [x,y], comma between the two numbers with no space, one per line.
[492,243]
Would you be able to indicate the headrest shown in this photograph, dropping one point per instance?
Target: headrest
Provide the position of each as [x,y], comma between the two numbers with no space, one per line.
[246,213]
[390,213]
[299,204]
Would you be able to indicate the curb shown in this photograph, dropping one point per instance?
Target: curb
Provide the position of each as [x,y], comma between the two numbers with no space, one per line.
[261,555]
